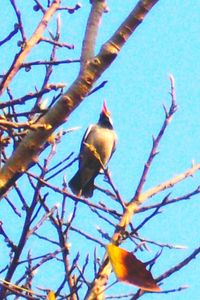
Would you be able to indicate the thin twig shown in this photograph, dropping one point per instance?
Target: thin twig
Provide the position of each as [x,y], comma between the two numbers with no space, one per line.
[10,35]
[74,198]
[171,201]
[70,10]
[56,43]
[19,59]
[87,236]
[53,63]
[48,88]
[20,25]
[179,266]
[168,117]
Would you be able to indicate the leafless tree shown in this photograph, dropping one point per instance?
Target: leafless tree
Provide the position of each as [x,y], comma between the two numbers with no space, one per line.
[32,180]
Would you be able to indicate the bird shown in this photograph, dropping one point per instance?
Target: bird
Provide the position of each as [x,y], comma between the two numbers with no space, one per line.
[97,147]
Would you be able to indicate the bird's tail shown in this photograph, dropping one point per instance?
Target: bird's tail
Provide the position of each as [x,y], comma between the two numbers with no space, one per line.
[88,189]
[79,188]
[75,184]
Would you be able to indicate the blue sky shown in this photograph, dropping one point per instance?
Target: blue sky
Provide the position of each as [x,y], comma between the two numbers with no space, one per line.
[168,41]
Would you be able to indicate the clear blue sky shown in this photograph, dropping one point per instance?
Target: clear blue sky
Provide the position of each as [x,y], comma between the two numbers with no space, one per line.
[167,42]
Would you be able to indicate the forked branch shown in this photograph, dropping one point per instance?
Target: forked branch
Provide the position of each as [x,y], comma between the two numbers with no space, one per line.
[30,147]
[29,44]
[168,117]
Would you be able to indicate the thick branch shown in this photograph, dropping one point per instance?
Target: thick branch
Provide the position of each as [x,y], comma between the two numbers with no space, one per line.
[98,8]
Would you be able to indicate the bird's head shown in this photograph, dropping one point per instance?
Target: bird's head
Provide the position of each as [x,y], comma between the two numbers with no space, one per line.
[105,117]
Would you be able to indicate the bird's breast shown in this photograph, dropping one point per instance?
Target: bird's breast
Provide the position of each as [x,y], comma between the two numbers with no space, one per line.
[103,140]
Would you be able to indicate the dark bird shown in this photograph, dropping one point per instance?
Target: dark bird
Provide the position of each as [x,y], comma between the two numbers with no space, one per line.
[98,145]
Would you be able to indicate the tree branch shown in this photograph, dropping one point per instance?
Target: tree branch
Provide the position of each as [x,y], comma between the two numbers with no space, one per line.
[89,42]
[105,270]
[21,56]
[29,148]
[168,117]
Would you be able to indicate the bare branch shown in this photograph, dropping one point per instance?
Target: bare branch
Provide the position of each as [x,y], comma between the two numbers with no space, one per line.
[179,266]
[10,35]
[24,155]
[53,63]
[20,25]
[98,8]
[28,46]
[56,43]
[168,117]
[31,95]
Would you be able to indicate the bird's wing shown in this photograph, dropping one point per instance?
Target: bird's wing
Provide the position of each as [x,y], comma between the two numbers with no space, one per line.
[83,149]
[86,134]
[114,144]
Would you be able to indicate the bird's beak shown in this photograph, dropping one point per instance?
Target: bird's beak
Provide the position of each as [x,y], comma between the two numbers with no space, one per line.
[105,111]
